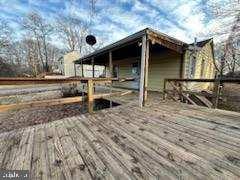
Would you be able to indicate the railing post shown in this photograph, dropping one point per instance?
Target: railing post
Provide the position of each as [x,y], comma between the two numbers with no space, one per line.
[164,89]
[90,96]
[90,90]
[110,89]
[216,93]
[180,90]
[83,96]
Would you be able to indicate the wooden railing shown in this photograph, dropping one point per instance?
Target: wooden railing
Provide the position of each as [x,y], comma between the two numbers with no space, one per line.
[179,91]
[90,83]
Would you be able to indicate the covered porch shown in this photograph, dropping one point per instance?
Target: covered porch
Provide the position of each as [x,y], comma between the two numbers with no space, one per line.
[145,59]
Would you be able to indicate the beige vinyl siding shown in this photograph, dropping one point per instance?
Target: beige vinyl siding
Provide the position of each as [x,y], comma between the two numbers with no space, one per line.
[125,71]
[206,55]
[125,67]
[161,66]
[68,63]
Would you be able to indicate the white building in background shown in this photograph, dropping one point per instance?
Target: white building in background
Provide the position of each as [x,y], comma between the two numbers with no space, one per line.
[66,66]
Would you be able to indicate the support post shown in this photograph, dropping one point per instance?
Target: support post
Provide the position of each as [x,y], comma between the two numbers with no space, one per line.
[216,91]
[165,90]
[182,70]
[110,64]
[182,65]
[93,68]
[82,68]
[144,71]
[105,71]
[75,73]
[90,90]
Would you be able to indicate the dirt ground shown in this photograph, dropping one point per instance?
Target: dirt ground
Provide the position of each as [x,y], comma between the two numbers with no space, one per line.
[31,116]
[27,117]
[231,97]
[20,118]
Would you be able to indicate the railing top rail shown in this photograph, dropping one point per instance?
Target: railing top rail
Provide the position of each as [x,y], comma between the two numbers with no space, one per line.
[23,81]
[225,80]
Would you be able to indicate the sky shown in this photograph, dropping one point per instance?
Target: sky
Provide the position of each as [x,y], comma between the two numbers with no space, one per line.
[115,19]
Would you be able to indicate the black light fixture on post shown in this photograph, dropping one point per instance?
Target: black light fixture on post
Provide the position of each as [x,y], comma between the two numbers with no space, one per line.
[91,40]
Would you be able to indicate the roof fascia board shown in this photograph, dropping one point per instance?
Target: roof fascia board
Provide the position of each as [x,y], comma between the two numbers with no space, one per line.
[121,43]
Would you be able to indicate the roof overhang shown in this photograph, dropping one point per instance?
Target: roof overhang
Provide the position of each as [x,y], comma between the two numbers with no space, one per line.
[152,35]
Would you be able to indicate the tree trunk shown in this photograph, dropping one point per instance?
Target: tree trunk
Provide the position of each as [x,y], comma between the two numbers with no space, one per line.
[46,55]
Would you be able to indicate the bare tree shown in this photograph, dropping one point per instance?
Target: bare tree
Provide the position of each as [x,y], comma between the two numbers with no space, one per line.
[5,39]
[227,50]
[5,34]
[41,31]
[72,31]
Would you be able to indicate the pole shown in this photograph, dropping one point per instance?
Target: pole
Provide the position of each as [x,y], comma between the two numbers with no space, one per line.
[93,69]
[144,71]
[110,64]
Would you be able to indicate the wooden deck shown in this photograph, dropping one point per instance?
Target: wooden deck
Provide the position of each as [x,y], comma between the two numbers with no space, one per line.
[164,140]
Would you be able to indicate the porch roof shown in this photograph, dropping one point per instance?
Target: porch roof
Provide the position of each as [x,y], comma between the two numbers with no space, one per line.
[153,35]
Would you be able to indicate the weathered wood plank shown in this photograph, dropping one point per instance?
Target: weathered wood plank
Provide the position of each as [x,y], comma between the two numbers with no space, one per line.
[217,156]
[117,152]
[11,140]
[69,153]
[187,128]
[188,122]
[169,170]
[95,165]
[55,171]
[41,103]
[115,167]
[207,121]
[162,140]
[199,166]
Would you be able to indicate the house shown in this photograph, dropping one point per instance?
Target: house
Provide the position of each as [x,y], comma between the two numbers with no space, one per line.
[67,67]
[150,57]
[201,67]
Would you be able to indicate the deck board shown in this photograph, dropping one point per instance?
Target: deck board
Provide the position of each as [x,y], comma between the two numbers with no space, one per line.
[166,140]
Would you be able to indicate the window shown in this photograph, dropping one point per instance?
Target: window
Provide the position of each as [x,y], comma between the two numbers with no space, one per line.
[202,68]
[135,69]
[192,67]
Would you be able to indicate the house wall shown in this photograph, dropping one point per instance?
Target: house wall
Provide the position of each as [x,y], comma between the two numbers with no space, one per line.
[208,69]
[68,62]
[161,66]
[167,65]
[125,71]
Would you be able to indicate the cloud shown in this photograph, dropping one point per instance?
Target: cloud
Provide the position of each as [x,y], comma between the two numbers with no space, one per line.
[115,19]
